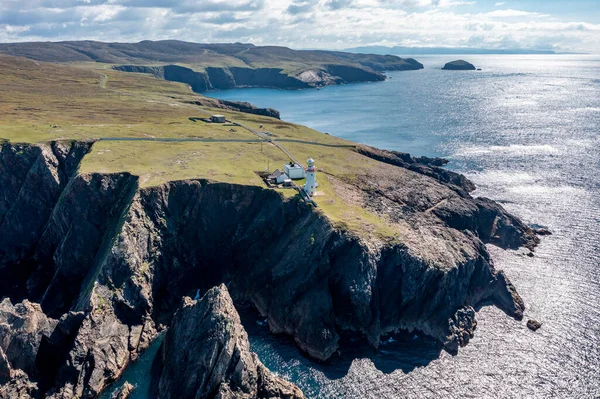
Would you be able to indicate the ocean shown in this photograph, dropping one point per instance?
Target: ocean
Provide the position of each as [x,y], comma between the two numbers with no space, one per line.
[526,130]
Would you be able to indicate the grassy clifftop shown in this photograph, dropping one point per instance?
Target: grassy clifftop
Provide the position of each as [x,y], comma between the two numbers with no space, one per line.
[44,101]
[148,127]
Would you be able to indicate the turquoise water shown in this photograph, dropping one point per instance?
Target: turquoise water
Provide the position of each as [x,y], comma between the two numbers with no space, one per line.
[526,129]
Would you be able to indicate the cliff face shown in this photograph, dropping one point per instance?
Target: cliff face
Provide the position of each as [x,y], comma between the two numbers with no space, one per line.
[206,353]
[113,261]
[223,78]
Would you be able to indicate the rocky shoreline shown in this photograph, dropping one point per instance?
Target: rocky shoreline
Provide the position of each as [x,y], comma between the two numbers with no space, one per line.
[97,267]
[223,78]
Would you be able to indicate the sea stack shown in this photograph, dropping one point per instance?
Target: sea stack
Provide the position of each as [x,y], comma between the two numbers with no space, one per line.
[459,65]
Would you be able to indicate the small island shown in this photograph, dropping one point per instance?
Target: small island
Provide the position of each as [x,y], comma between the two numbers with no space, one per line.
[459,65]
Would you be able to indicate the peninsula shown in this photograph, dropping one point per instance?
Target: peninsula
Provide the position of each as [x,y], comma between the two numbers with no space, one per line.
[222,66]
[121,201]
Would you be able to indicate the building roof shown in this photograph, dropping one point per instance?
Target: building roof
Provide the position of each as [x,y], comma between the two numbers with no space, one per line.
[293,166]
[275,174]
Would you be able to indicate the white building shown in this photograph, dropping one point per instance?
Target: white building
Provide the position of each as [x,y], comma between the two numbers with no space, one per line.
[278,177]
[217,119]
[294,171]
[311,178]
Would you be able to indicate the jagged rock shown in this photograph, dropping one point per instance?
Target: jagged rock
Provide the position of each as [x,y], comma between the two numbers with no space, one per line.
[32,180]
[427,166]
[123,392]
[22,327]
[236,106]
[123,257]
[462,327]
[497,226]
[5,369]
[206,351]
[542,231]
[19,387]
[533,325]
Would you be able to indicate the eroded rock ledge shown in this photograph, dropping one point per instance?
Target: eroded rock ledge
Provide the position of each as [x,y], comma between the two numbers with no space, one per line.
[109,263]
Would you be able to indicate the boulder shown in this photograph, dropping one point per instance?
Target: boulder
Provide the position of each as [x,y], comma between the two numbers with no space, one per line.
[533,325]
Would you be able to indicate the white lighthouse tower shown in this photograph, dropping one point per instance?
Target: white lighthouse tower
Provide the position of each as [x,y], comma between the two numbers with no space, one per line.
[311,178]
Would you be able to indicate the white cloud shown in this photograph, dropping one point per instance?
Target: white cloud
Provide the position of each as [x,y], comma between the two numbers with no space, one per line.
[294,23]
[514,13]
[500,3]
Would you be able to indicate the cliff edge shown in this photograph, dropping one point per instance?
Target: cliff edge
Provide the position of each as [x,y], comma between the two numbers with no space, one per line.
[108,262]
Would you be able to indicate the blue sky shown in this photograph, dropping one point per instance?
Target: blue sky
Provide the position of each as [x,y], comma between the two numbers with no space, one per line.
[336,24]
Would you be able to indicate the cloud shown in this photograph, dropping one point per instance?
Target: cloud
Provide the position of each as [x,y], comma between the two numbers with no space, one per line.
[513,13]
[500,3]
[296,23]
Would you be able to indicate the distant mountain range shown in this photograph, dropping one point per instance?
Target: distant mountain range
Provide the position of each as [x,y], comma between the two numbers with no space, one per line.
[400,50]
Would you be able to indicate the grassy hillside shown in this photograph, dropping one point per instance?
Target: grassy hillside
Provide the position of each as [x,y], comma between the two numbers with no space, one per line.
[199,56]
[43,101]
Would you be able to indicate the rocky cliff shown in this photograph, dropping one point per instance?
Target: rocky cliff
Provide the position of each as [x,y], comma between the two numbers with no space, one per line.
[206,353]
[109,262]
[222,78]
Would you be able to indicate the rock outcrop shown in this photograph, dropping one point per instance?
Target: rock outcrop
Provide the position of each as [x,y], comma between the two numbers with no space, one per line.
[533,325]
[206,354]
[223,78]
[110,262]
[22,327]
[124,392]
[459,65]
[236,106]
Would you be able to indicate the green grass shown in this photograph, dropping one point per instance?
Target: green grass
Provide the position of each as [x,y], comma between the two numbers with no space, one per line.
[49,102]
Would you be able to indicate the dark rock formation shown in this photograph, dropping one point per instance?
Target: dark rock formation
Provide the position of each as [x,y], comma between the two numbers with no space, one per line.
[427,166]
[236,106]
[22,328]
[459,65]
[113,261]
[542,231]
[206,354]
[462,326]
[32,180]
[533,325]
[222,78]
[123,392]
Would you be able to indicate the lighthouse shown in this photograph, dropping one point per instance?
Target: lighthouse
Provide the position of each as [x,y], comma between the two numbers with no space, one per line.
[311,178]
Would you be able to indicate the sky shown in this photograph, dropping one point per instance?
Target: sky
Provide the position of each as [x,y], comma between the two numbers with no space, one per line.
[329,24]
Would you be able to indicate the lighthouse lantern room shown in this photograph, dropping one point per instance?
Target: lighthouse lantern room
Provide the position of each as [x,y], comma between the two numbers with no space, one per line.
[311,178]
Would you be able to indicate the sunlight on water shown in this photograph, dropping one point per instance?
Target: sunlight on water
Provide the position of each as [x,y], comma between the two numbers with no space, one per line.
[526,130]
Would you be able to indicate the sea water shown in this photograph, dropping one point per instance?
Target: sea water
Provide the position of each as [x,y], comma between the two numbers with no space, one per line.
[526,130]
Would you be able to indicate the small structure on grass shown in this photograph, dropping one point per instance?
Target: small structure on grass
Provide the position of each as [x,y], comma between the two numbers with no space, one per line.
[278,177]
[294,171]
[217,119]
